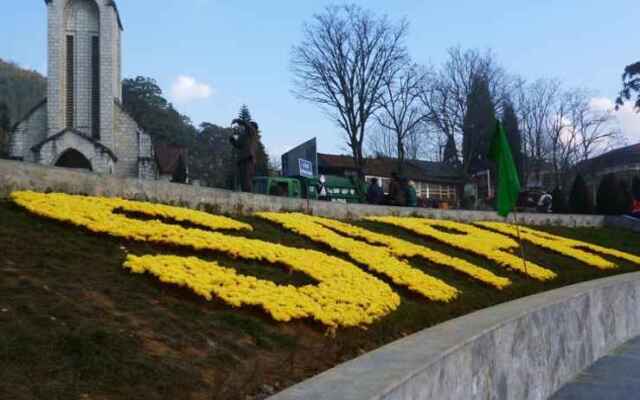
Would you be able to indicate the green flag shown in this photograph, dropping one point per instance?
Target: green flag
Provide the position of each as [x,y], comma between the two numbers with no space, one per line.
[508,182]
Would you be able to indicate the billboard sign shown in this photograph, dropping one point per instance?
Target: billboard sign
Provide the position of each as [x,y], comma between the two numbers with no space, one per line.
[306,168]
[291,160]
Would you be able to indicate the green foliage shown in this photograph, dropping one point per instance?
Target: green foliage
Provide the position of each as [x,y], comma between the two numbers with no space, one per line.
[142,98]
[635,188]
[478,125]
[510,123]
[580,201]
[559,205]
[614,197]
[630,84]
[212,156]
[20,89]
[244,113]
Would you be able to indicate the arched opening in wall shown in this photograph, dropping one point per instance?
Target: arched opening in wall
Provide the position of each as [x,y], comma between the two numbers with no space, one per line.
[180,173]
[72,158]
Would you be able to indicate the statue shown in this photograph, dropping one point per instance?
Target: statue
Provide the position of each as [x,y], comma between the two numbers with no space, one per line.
[245,142]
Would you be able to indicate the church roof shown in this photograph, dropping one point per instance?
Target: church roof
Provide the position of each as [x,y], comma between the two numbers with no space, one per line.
[82,135]
[111,3]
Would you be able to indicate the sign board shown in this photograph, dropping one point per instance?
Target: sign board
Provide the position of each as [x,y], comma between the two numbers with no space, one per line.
[306,168]
[307,151]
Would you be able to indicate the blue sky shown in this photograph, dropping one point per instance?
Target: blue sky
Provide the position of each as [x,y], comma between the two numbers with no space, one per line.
[211,56]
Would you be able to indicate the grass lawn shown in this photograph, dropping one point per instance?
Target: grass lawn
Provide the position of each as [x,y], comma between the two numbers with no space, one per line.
[75,325]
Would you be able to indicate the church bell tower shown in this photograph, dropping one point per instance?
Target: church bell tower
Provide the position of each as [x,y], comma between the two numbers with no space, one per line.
[84,67]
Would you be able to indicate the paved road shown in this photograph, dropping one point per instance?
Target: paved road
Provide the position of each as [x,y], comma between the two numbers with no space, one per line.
[614,377]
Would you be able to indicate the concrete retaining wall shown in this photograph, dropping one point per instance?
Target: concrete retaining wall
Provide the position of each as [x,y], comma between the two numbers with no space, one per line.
[525,350]
[27,176]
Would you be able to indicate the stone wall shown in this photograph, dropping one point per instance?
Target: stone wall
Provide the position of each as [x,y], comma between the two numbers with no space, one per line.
[26,176]
[127,142]
[28,133]
[525,350]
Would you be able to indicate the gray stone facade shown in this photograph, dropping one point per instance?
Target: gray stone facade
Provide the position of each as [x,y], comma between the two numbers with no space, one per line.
[82,111]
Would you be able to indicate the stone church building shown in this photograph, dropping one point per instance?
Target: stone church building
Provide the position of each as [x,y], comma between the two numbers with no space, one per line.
[81,123]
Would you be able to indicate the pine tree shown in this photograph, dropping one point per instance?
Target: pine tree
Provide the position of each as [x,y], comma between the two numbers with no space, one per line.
[244,113]
[450,153]
[510,123]
[614,197]
[478,125]
[580,201]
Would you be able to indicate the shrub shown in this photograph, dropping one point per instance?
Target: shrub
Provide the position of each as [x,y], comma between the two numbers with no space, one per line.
[635,188]
[559,205]
[614,197]
[580,201]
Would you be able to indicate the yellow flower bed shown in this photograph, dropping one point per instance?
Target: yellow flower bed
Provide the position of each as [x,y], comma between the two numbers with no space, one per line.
[345,295]
[567,247]
[384,259]
[490,245]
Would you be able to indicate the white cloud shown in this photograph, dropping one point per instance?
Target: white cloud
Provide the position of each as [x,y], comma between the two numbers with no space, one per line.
[186,89]
[629,119]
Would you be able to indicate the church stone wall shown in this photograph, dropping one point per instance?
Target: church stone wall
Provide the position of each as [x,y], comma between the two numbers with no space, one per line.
[82,21]
[56,66]
[51,151]
[109,79]
[28,133]
[126,144]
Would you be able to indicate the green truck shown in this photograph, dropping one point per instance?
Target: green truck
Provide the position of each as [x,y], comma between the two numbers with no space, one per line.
[340,189]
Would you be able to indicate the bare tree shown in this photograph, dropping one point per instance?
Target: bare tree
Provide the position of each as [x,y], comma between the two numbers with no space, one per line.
[597,130]
[341,63]
[536,106]
[446,92]
[381,142]
[401,110]
[561,127]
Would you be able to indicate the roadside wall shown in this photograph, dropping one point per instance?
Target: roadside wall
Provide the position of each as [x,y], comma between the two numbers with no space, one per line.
[28,176]
[526,349]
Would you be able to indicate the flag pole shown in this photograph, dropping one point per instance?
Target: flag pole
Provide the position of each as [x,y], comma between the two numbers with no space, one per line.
[515,222]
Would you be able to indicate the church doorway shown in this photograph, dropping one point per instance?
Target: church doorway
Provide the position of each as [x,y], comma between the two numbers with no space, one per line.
[72,158]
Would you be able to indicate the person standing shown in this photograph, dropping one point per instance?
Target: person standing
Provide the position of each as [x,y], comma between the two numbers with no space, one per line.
[412,197]
[375,194]
[323,192]
[397,196]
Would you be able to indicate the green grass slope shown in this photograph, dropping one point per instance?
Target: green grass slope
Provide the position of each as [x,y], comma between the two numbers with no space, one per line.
[75,325]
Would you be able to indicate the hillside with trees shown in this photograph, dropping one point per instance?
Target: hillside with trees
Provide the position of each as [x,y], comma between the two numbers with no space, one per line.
[20,89]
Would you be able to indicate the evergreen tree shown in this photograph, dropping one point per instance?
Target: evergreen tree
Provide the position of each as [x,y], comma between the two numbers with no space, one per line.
[244,113]
[613,196]
[625,199]
[450,153]
[580,201]
[559,205]
[478,126]
[510,123]
[262,158]
[635,188]
[5,126]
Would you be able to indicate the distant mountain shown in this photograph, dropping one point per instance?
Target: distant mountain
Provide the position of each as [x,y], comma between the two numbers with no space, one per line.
[20,89]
